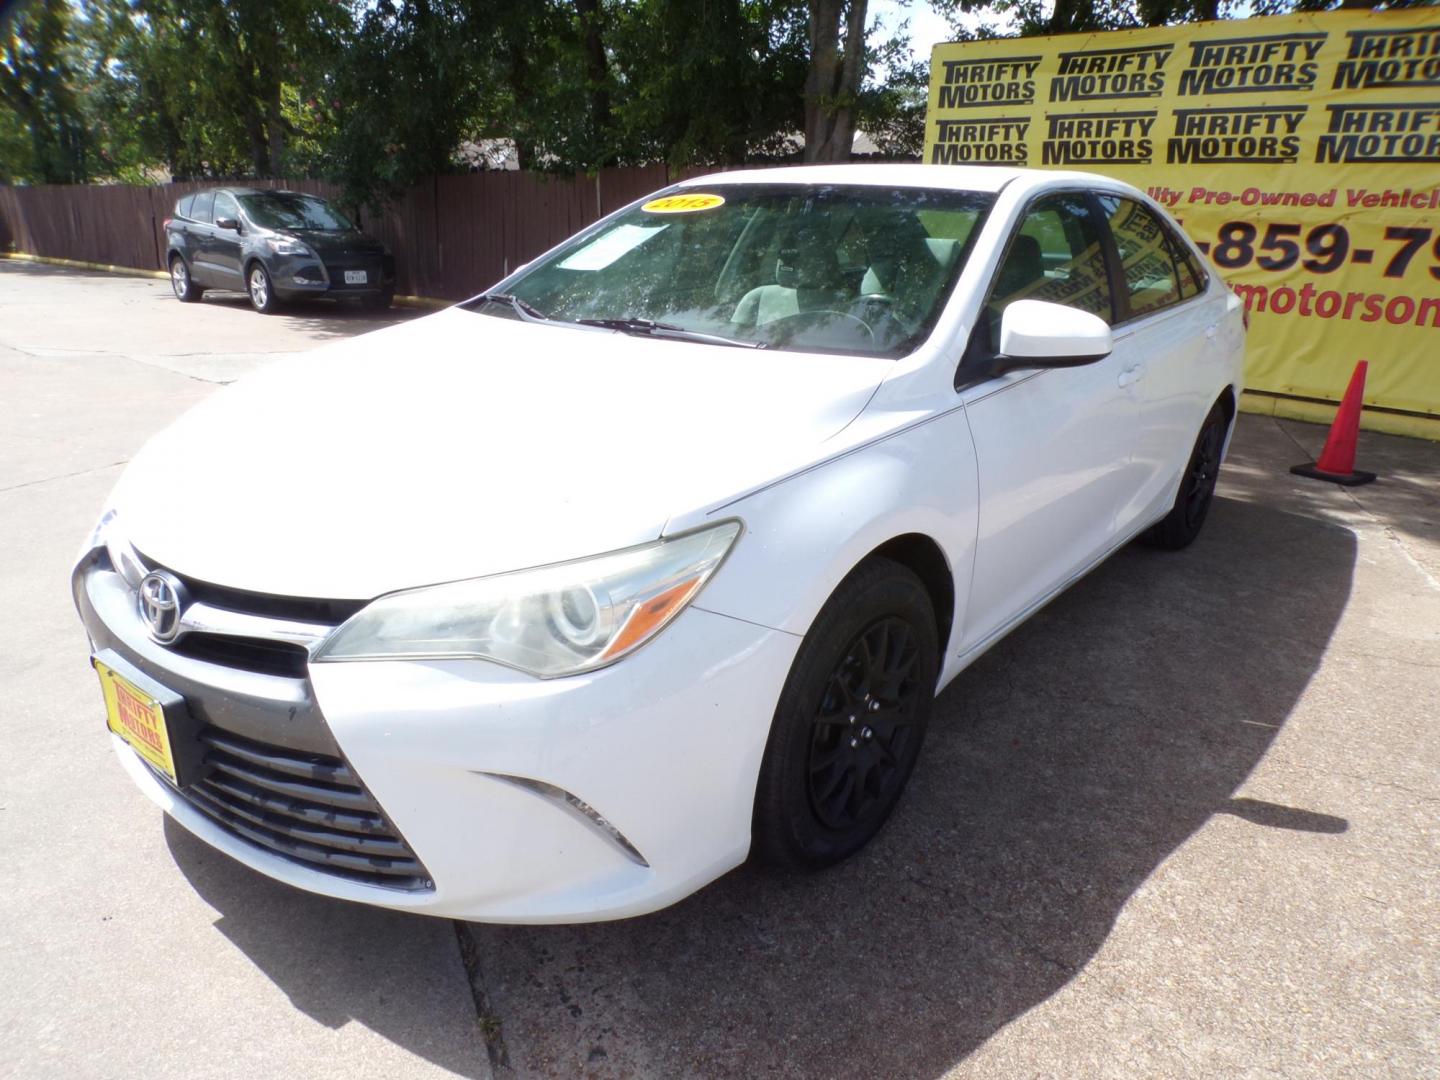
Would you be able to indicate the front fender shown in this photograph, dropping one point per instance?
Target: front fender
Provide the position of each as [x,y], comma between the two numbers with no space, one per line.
[807,532]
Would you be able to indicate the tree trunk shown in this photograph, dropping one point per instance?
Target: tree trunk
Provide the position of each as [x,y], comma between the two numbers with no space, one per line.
[833,82]
[596,74]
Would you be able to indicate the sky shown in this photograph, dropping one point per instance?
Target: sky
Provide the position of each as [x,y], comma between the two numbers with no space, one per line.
[927,27]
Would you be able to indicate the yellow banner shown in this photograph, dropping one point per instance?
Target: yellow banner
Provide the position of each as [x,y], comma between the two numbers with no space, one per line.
[1302,153]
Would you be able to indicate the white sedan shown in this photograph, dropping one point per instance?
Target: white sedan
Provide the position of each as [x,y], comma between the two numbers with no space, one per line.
[555,605]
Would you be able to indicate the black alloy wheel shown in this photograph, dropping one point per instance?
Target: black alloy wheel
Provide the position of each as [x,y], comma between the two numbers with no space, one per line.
[1182,524]
[864,725]
[850,721]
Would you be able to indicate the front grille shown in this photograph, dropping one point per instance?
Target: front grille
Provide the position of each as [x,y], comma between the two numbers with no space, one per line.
[299,608]
[265,656]
[260,655]
[309,808]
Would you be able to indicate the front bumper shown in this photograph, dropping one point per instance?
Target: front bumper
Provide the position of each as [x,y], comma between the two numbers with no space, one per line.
[597,796]
[295,277]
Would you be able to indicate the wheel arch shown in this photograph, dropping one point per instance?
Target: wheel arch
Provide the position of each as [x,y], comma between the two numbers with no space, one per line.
[924,557]
[1227,401]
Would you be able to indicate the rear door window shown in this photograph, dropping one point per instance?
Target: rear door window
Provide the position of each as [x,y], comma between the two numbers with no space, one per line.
[201,207]
[182,206]
[1147,262]
[1192,276]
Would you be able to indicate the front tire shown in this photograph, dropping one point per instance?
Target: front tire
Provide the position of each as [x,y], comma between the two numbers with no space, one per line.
[262,293]
[1182,525]
[186,291]
[850,722]
[379,302]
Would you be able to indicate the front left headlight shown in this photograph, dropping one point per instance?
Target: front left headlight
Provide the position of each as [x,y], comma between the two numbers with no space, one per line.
[284,245]
[550,621]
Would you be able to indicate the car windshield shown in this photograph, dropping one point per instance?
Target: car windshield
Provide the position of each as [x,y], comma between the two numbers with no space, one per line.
[283,210]
[815,267]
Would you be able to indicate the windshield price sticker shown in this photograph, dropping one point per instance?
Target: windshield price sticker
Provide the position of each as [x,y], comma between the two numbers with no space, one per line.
[683,204]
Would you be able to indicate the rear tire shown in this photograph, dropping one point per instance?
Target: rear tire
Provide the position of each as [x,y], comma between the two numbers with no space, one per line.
[850,722]
[186,291]
[1182,524]
[262,293]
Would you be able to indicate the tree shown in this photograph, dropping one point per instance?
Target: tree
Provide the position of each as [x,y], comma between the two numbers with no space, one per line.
[833,84]
[38,80]
[712,84]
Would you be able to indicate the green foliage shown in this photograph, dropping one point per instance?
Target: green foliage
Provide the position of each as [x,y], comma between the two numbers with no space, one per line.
[40,87]
[712,83]
[376,94]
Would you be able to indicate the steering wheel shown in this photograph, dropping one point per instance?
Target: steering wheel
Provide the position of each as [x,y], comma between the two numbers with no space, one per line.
[819,316]
[873,307]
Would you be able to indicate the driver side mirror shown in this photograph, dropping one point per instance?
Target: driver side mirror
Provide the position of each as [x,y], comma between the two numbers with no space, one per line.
[1039,334]
[227,223]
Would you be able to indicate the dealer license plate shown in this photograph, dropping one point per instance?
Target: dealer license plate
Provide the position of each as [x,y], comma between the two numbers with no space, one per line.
[356,277]
[137,718]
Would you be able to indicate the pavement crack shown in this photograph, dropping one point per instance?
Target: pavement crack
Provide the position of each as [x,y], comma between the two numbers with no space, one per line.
[486,1019]
[63,476]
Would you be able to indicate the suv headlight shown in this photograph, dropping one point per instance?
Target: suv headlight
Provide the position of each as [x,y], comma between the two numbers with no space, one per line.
[284,245]
[550,621]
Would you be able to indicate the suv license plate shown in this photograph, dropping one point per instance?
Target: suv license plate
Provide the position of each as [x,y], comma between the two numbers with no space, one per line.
[356,277]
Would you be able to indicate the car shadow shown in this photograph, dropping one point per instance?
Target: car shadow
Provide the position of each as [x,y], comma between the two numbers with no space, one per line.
[323,318]
[398,975]
[1060,771]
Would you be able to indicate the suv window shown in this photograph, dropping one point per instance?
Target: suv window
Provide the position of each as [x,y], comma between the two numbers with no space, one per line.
[200,208]
[225,206]
[1056,255]
[182,206]
[1147,260]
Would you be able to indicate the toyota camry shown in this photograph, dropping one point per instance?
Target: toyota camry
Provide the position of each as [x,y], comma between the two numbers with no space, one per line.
[559,603]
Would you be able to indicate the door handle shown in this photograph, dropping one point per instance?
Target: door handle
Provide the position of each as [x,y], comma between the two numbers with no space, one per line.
[1130,376]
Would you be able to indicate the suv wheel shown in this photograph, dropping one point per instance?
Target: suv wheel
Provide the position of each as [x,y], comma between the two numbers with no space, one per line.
[186,291]
[262,294]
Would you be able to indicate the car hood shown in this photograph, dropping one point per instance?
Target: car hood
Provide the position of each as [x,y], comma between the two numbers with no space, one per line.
[461,444]
[328,243]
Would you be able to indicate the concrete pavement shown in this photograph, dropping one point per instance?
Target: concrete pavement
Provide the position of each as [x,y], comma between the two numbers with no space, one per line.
[1183,823]
[130,949]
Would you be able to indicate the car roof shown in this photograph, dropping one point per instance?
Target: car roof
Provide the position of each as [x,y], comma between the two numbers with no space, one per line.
[255,191]
[987,178]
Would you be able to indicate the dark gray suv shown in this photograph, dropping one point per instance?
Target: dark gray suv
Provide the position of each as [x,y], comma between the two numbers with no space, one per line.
[276,246]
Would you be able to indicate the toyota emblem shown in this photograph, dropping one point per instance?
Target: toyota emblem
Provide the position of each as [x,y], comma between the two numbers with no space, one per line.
[162,602]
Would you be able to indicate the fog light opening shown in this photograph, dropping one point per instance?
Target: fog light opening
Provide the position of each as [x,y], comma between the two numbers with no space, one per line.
[578,808]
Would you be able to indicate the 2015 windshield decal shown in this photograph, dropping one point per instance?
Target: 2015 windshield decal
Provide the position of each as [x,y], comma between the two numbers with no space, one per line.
[683,204]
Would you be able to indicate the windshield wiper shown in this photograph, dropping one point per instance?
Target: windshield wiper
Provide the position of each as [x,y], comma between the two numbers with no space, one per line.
[526,311]
[651,328]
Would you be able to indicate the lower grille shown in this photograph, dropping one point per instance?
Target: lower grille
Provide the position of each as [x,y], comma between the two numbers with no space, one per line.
[310,808]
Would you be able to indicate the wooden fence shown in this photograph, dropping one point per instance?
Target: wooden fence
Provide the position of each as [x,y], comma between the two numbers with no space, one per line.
[452,235]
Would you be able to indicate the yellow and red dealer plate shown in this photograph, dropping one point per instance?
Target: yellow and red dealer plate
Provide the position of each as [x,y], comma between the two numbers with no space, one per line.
[137,718]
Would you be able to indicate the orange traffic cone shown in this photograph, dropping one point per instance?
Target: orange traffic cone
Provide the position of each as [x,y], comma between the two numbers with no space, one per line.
[1337,460]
